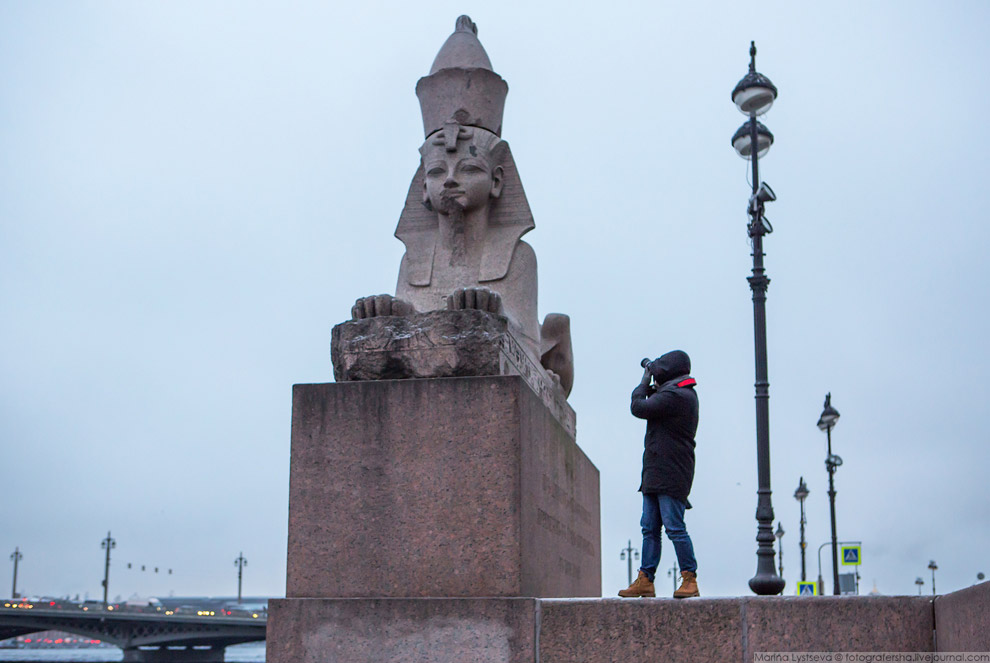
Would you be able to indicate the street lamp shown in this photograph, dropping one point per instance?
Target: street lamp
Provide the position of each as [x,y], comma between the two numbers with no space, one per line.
[780,546]
[934,567]
[107,544]
[800,495]
[826,422]
[628,552]
[919,582]
[240,563]
[754,95]
[16,556]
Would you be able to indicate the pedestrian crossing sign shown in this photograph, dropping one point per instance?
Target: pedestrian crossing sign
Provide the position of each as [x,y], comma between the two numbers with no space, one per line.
[807,589]
[852,555]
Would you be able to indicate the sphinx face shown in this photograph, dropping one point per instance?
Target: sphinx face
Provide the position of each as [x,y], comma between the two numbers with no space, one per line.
[460,181]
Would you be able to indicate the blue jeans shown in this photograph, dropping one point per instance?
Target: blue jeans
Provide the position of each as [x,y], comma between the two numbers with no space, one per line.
[667,512]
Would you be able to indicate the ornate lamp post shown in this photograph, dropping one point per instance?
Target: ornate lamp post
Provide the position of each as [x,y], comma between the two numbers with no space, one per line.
[934,567]
[107,544]
[825,423]
[919,582]
[800,495]
[754,95]
[16,556]
[780,547]
[629,551]
[240,563]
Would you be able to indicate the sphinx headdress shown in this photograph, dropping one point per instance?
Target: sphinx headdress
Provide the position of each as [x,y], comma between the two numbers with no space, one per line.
[462,96]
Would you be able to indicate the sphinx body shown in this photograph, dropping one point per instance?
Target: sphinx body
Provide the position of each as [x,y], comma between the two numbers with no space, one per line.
[466,212]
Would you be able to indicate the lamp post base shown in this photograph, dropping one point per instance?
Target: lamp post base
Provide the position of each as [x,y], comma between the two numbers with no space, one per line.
[766,584]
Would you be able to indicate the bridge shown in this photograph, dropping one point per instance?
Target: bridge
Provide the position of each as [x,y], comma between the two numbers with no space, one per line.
[145,638]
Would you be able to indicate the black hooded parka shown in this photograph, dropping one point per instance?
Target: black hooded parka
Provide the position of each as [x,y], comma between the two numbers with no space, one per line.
[671,413]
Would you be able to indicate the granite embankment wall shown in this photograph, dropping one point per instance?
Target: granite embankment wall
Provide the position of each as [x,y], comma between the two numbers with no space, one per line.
[734,629]
[525,630]
[962,620]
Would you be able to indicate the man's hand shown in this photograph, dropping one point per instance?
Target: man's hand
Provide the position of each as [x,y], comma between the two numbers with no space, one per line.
[647,376]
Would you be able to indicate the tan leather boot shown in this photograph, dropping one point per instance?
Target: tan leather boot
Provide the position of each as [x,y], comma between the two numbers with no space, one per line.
[641,587]
[689,586]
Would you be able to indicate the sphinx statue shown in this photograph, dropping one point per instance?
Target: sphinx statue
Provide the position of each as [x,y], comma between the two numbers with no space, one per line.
[466,211]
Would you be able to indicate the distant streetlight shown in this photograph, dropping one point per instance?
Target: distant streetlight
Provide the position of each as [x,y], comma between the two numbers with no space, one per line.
[919,582]
[753,96]
[16,556]
[672,573]
[107,544]
[780,547]
[825,423]
[934,567]
[240,563]
[627,553]
[800,495]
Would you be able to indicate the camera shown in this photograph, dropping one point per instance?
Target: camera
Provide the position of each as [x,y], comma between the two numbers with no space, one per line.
[645,362]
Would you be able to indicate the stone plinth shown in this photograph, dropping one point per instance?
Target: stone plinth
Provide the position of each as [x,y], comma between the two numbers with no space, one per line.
[455,487]
[962,619]
[441,344]
[402,630]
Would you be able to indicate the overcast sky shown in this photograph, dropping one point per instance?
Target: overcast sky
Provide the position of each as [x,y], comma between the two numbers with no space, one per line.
[192,194]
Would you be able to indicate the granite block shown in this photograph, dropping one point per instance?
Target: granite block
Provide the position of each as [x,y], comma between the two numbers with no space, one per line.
[729,629]
[401,630]
[836,623]
[962,620]
[441,344]
[580,631]
[446,487]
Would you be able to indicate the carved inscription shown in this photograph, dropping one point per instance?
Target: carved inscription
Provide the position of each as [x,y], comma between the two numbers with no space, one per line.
[559,529]
[568,567]
[553,490]
[515,361]
[441,344]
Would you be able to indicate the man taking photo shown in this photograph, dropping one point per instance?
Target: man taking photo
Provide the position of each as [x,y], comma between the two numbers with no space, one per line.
[670,407]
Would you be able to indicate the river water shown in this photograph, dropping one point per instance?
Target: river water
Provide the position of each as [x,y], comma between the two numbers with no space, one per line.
[251,652]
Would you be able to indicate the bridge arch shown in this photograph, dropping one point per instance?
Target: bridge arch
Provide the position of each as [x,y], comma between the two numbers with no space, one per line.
[146,638]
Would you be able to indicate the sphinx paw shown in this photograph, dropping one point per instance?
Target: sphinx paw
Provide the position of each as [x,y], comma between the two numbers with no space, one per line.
[480,298]
[375,306]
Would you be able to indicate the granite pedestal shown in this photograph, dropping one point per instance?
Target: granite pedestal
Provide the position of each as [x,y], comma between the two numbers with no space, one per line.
[448,487]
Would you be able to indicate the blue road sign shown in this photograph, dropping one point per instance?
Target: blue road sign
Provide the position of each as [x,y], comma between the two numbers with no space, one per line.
[852,555]
[807,589]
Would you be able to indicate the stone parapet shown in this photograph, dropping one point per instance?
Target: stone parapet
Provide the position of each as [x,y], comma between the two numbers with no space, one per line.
[730,629]
[639,630]
[486,630]
[962,619]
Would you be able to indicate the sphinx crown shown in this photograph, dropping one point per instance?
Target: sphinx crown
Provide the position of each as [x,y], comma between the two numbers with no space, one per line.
[461,86]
